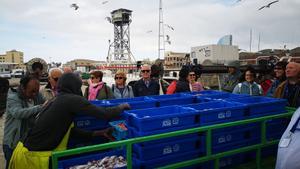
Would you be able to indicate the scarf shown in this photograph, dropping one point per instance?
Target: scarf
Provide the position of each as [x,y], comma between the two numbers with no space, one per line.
[94,89]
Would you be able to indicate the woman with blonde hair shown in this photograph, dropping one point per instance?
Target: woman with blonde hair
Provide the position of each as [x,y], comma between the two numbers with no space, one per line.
[120,89]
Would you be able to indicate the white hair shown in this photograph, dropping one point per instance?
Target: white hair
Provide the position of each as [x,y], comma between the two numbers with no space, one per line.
[55,69]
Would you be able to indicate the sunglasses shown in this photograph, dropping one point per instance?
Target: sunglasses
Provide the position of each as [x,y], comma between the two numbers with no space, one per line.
[145,71]
[55,78]
[192,75]
[92,77]
[118,78]
[278,68]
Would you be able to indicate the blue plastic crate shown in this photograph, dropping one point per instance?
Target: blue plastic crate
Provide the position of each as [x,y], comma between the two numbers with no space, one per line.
[221,96]
[276,127]
[257,106]
[218,112]
[269,151]
[161,118]
[235,137]
[84,159]
[159,162]
[237,159]
[133,132]
[205,93]
[135,103]
[89,121]
[175,146]
[235,145]
[173,99]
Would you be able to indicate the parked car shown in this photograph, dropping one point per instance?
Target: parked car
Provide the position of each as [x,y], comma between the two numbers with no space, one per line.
[18,73]
[5,74]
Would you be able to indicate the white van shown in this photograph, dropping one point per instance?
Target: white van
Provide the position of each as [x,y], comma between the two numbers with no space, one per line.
[17,73]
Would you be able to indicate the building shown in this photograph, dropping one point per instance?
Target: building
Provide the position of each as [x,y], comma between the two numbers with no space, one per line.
[175,60]
[214,54]
[83,65]
[15,57]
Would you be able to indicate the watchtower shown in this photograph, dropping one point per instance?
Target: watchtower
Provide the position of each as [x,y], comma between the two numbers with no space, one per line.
[119,49]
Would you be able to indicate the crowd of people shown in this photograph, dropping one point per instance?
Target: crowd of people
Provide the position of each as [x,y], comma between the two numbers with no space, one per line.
[39,120]
[285,84]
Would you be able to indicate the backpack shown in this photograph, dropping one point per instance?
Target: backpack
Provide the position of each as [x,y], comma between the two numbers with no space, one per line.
[172,87]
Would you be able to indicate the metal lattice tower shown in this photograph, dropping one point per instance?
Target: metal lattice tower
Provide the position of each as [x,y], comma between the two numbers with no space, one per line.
[161,33]
[119,49]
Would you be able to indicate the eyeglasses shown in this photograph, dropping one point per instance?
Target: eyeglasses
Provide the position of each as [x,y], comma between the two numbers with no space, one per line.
[192,75]
[55,78]
[278,68]
[145,71]
[118,78]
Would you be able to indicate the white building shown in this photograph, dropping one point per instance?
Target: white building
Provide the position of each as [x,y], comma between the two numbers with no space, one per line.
[210,54]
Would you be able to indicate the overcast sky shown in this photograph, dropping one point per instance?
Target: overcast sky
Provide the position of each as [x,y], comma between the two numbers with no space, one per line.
[54,31]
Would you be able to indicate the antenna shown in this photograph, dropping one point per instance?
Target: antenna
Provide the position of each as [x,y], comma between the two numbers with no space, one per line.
[250,39]
[258,47]
[161,33]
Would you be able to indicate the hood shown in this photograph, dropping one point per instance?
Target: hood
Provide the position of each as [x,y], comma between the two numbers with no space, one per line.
[69,83]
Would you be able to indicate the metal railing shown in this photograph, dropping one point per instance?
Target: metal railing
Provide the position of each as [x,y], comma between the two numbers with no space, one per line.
[207,129]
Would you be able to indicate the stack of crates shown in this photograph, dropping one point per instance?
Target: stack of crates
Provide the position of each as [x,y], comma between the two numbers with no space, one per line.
[166,113]
[228,138]
[159,120]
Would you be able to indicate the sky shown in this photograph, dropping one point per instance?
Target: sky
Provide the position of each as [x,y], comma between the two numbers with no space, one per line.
[52,30]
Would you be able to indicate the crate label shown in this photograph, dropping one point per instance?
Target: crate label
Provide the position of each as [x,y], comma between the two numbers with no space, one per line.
[228,113]
[176,147]
[221,139]
[175,121]
[166,123]
[167,150]
[83,123]
[221,115]
[224,139]
[225,162]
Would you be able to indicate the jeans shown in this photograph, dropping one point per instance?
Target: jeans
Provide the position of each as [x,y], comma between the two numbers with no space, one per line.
[7,154]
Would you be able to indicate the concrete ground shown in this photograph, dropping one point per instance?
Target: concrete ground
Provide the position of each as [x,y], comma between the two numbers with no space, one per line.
[2,161]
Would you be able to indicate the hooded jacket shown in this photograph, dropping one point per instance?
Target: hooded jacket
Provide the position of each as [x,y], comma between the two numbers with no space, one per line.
[55,119]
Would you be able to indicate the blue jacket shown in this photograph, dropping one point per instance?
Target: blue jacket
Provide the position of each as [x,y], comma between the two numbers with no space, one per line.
[253,89]
[272,89]
[19,117]
[140,88]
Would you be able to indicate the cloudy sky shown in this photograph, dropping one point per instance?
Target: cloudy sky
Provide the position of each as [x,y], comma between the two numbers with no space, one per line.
[54,31]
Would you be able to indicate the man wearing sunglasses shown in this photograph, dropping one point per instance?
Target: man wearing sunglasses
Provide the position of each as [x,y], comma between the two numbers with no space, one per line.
[146,86]
[49,91]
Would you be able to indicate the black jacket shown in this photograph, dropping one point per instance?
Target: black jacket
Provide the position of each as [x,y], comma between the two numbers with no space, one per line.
[182,86]
[55,119]
[140,89]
